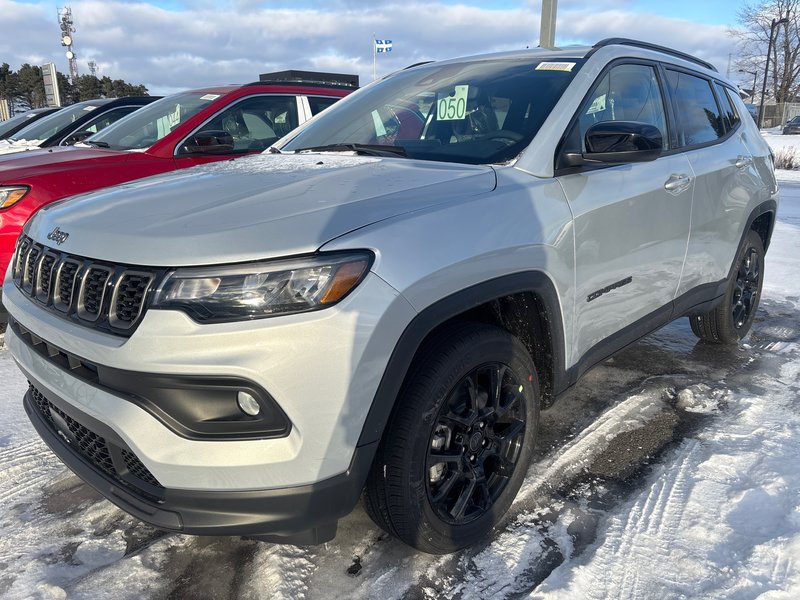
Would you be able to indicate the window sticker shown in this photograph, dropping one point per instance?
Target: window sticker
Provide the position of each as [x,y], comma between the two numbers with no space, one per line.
[598,105]
[175,116]
[209,97]
[452,107]
[555,66]
[89,108]
[380,130]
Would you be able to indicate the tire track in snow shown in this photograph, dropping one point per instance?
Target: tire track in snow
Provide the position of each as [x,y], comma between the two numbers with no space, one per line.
[630,541]
[576,456]
[25,466]
[631,538]
[540,532]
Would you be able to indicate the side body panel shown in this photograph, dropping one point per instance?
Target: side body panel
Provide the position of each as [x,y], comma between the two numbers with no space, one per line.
[630,242]
[525,224]
[727,188]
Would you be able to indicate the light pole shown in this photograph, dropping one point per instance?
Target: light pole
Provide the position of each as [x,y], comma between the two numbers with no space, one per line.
[755,78]
[547,27]
[775,23]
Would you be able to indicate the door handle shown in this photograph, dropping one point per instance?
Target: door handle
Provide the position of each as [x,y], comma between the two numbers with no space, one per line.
[678,183]
[743,162]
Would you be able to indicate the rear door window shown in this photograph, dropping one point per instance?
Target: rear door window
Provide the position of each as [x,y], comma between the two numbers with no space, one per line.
[320,103]
[699,118]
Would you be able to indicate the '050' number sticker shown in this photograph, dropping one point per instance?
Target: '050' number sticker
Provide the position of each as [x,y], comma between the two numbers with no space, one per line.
[453,106]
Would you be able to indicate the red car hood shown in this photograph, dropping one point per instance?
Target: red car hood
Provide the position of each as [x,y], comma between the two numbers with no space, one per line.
[15,167]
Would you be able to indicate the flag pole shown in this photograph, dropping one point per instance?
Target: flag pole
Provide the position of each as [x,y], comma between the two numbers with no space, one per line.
[374,58]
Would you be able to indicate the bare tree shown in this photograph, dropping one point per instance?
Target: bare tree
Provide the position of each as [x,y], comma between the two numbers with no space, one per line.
[783,83]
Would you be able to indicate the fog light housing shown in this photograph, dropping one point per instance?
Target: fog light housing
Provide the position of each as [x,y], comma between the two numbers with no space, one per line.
[248,404]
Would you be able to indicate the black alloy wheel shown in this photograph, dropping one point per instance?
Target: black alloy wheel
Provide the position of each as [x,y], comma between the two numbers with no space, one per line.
[457,446]
[732,318]
[476,443]
[746,288]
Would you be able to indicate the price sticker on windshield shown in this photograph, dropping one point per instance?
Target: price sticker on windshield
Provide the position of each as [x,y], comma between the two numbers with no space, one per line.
[452,107]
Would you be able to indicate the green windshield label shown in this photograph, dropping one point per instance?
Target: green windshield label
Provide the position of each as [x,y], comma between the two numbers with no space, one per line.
[452,107]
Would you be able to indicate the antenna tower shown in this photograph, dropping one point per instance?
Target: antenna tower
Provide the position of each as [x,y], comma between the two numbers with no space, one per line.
[67,31]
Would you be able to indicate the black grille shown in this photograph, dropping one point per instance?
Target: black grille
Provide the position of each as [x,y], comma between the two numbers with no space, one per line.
[93,290]
[129,295]
[30,268]
[66,284]
[23,246]
[45,277]
[105,296]
[137,469]
[97,450]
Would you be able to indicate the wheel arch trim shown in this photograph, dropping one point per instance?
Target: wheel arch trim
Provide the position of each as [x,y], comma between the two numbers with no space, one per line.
[430,318]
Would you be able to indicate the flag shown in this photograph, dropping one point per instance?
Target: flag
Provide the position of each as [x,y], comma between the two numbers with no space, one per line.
[383,46]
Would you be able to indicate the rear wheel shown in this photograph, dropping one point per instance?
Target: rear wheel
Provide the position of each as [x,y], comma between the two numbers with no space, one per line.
[732,319]
[457,447]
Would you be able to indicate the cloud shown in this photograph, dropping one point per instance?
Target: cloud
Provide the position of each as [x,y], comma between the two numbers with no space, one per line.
[196,44]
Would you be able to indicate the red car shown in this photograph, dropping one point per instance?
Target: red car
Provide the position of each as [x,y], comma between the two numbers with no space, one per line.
[175,132]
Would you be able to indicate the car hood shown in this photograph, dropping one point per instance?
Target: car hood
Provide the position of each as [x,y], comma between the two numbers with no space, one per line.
[21,166]
[256,207]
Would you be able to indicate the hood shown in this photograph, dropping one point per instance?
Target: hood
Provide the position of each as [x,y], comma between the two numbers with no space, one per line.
[17,168]
[256,207]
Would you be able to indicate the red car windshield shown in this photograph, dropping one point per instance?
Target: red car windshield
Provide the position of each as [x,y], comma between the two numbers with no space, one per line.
[144,127]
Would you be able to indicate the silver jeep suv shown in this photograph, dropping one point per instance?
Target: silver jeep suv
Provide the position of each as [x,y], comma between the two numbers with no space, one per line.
[383,302]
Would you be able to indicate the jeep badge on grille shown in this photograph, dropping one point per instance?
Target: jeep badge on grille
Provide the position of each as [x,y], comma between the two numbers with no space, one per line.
[58,236]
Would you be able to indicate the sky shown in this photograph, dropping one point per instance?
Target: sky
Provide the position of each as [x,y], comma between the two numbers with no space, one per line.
[171,45]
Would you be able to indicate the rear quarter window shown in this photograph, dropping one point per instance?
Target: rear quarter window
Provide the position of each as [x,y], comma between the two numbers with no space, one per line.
[729,115]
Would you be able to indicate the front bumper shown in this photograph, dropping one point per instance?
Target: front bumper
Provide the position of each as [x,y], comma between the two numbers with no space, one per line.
[300,515]
[321,368]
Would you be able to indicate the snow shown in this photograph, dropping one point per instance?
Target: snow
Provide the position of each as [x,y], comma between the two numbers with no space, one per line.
[784,146]
[670,471]
[9,147]
[256,164]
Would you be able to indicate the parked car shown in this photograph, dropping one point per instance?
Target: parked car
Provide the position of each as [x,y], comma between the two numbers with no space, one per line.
[179,131]
[14,124]
[384,301]
[792,126]
[73,123]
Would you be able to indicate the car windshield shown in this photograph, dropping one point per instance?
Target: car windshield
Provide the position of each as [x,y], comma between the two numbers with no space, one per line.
[146,126]
[47,127]
[473,112]
[6,126]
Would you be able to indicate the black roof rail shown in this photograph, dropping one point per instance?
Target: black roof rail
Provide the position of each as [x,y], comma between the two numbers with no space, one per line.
[424,62]
[309,78]
[649,46]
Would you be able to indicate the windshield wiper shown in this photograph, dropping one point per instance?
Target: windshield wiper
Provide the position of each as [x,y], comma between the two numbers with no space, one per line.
[363,149]
[97,144]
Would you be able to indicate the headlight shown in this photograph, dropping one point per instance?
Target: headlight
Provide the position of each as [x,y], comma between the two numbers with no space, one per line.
[11,194]
[265,289]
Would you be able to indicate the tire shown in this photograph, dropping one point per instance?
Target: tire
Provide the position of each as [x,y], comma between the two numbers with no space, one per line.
[732,319]
[454,453]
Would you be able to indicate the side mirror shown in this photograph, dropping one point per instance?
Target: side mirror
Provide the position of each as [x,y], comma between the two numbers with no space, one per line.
[76,137]
[618,142]
[209,142]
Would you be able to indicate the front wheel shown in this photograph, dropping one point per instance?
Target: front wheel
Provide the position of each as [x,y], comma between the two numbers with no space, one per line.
[458,445]
[732,319]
